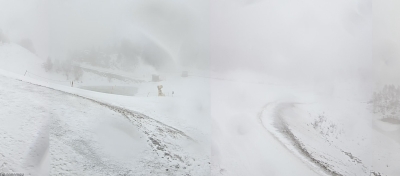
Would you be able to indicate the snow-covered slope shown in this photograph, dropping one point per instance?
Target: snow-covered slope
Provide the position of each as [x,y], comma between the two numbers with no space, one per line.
[92,133]
[17,59]
[88,137]
[226,124]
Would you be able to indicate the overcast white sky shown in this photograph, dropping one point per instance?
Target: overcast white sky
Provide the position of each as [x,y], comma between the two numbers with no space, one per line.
[292,36]
[57,26]
[386,20]
[21,19]
[298,38]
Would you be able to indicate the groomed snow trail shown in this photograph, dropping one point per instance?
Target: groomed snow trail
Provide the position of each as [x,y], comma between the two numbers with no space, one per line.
[47,131]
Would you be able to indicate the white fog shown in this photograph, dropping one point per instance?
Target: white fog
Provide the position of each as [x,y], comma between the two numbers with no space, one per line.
[227,87]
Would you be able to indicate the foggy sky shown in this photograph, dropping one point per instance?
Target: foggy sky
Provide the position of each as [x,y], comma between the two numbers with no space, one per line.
[294,37]
[386,20]
[26,19]
[288,39]
[178,27]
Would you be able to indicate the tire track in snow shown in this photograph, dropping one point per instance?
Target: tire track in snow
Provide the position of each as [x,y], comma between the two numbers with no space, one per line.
[278,127]
[285,136]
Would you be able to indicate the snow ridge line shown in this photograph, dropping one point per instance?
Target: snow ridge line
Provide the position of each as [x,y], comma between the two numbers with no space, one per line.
[125,112]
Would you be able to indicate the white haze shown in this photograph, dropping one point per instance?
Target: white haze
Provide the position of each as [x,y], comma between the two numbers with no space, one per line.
[287,39]
[292,39]
[386,39]
[179,28]
[270,36]
[243,57]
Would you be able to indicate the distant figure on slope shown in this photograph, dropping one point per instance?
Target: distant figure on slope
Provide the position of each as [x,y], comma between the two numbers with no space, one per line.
[160,94]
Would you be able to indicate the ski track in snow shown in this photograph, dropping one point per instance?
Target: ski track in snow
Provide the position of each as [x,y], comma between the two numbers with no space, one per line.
[74,150]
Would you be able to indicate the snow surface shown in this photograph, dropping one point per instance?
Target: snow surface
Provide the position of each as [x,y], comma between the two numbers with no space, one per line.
[106,135]
[218,124]
[88,137]
[340,137]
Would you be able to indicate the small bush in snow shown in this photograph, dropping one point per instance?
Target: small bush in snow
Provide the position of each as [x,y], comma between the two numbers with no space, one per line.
[325,127]
[387,102]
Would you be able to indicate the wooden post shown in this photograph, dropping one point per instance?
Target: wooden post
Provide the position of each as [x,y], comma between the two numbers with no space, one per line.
[25,72]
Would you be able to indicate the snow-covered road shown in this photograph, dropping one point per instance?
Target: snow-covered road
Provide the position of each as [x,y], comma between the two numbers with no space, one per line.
[241,145]
[45,130]
[326,151]
[272,120]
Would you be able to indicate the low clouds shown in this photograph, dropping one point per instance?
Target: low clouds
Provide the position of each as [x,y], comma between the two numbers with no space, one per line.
[291,39]
[287,39]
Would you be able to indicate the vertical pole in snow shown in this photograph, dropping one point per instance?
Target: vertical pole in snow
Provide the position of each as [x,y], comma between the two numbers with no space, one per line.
[25,72]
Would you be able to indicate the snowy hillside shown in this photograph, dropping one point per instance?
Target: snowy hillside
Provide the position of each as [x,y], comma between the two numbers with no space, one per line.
[273,125]
[17,59]
[101,133]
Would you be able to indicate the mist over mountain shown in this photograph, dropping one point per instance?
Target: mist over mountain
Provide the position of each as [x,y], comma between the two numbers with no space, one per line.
[161,33]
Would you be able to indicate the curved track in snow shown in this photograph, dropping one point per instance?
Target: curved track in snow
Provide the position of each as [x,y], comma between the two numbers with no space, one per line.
[270,118]
[275,124]
[326,159]
[75,125]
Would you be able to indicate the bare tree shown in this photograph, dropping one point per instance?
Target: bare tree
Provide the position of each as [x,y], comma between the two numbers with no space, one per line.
[48,65]
[78,72]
